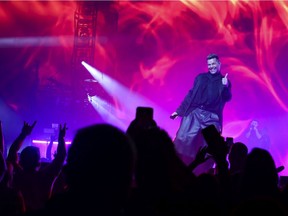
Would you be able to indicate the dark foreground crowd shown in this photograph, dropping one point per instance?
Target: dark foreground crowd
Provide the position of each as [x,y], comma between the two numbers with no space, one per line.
[107,171]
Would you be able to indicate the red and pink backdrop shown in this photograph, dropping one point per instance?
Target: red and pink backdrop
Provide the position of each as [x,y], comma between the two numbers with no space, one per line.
[154,49]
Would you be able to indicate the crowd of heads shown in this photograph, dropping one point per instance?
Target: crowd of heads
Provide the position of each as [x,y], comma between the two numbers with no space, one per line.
[108,171]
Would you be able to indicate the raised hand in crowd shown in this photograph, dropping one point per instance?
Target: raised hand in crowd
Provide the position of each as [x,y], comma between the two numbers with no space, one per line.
[27,128]
[49,148]
[16,145]
[60,155]
[62,131]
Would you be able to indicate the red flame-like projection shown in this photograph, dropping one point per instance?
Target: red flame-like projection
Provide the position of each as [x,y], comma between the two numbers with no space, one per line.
[155,49]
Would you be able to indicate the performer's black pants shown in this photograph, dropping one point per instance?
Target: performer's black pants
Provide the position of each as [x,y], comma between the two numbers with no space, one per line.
[189,138]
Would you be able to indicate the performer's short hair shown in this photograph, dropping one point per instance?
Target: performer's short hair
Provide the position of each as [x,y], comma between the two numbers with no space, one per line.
[212,56]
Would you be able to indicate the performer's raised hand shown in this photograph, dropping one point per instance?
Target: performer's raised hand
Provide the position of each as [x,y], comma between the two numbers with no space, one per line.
[225,80]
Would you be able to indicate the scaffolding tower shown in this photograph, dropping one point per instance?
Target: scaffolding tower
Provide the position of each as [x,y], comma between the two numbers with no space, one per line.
[85,20]
[85,24]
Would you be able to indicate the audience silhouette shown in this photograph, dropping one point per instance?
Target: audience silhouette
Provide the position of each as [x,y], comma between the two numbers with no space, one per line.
[98,173]
[137,172]
[34,183]
[11,200]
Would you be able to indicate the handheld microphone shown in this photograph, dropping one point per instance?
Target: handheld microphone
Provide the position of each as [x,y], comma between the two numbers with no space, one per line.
[173,116]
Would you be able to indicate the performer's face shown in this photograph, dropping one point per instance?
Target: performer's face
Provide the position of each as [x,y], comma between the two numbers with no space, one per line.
[213,65]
